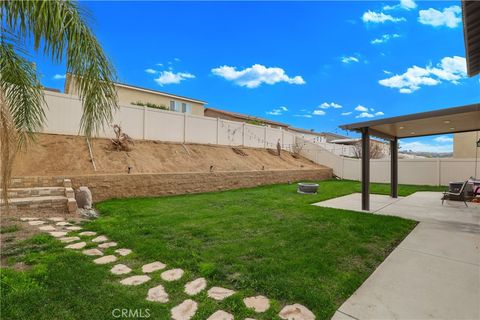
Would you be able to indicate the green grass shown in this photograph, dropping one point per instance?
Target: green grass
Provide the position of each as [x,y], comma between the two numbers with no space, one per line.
[9,229]
[266,240]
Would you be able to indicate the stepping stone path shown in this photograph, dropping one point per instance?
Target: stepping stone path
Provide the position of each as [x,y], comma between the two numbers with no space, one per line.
[196,286]
[120,269]
[135,280]
[185,310]
[152,267]
[63,224]
[123,251]
[100,239]
[36,222]
[157,294]
[107,245]
[58,234]
[296,311]
[88,233]
[76,246]
[56,219]
[28,219]
[221,315]
[47,228]
[105,259]
[69,239]
[172,275]
[258,303]
[74,228]
[219,293]
[92,252]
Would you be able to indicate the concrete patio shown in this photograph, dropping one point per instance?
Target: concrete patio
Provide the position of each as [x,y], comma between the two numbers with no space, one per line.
[435,271]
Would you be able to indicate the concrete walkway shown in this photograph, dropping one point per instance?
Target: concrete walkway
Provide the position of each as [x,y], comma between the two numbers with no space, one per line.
[433,274]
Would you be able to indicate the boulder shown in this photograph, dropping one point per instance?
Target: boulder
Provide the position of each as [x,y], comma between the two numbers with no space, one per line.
[84,198]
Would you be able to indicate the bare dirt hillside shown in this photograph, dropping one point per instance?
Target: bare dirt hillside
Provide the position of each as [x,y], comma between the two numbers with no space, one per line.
[68,155]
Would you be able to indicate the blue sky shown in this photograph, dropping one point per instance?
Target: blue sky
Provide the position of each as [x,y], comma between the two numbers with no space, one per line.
[314,65]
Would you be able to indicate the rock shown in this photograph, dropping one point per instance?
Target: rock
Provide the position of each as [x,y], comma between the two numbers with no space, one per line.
[154,266]
[258,303]
[56,219]
[47,228]
[172,275]
[105,259]
[220,315]
[63,223]
[76,246]
[100,239]
[69,239]
[84,198]
[123,251]
[28,219]
[157,294]
[74,228]
[135,280]
[88,213]
[92,252]
[196,286]
[36,222]
[185,310]
[106,245]
[120,269]
[296,311]
[219,293]
[88,233]
[58,234]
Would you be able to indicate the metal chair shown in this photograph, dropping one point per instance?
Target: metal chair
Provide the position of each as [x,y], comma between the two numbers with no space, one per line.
[460,195]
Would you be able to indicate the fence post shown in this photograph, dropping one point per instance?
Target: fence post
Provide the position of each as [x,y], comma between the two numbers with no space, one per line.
[439,166]
[243,134]
[281,130]
[264,137]
[218,130]
[185,127]
[144,122]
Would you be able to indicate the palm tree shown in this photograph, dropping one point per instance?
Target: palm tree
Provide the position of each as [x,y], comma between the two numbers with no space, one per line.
[58,29]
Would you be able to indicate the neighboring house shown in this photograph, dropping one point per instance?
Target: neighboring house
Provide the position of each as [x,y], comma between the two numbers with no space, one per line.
[465,144]
[234,116]
[309,135]
[133,95]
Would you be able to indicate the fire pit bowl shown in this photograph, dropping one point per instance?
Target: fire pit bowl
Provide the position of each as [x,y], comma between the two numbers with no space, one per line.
[307,188]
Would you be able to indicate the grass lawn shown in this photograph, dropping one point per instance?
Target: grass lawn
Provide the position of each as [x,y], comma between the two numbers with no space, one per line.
[266,240]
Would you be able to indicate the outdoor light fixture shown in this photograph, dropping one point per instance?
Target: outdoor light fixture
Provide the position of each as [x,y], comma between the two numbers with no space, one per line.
[413,132]
[452,128]
[401,127]
[446,121]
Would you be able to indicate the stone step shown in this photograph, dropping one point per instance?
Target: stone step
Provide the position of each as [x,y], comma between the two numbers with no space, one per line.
[34,182]
[52,204]
[35,192]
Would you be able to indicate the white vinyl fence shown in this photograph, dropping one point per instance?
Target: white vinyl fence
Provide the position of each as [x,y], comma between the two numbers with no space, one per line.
[64,113]
[431,171]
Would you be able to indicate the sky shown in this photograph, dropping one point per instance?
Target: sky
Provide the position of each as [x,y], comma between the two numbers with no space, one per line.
[313,65]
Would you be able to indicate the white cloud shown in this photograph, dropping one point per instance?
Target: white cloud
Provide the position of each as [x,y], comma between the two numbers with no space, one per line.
[59,76]
[443,139]
[384,38]
[255,75]
[303,115]
[418,146]
[379,113]
[450,17]
[319,112]
[450,69]
[404,4]
[346,113]
[379,17]
[350,59]
[365,115]
[160,64]
[176,59]
[387,72]
[169,77]
[151,71]
[278,112]
[361,108]
[327,105]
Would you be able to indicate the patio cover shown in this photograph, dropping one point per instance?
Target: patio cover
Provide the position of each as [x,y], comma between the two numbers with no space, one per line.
[471,31]
[443,121]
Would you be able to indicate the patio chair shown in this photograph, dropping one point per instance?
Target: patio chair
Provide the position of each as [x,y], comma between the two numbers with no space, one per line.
[460,195]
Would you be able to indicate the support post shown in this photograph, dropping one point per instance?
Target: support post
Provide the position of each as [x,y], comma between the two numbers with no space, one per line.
[365,169]
[394,168]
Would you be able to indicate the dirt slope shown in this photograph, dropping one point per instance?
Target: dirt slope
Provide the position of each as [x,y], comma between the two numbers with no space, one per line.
[68,155]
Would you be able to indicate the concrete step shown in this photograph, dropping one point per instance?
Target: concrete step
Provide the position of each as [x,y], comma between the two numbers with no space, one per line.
[53,204]
[35,192]
[35,182]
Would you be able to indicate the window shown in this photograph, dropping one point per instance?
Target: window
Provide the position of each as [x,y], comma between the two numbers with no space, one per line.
[180,107]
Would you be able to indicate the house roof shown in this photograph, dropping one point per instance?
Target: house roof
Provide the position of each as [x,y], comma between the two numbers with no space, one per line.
[305,131]
[246,117]
[450,120]
[471,32]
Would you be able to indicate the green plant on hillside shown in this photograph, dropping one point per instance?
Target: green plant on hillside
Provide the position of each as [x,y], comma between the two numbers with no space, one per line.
[58,30]
[150,105]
